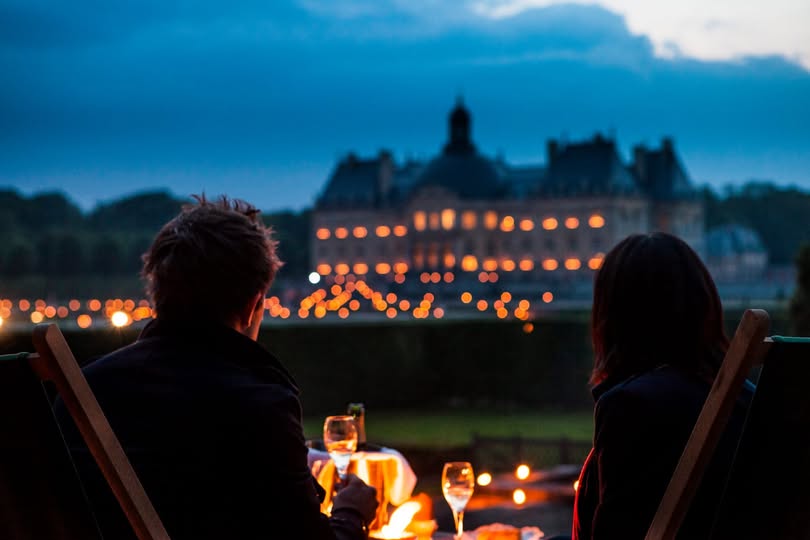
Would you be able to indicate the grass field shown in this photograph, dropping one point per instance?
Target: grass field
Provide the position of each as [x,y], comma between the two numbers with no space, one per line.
[452,428]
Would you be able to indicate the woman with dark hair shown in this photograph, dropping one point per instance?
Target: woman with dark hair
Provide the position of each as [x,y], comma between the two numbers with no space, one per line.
[658,339]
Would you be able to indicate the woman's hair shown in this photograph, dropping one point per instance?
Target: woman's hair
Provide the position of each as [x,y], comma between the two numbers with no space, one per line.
[654,303]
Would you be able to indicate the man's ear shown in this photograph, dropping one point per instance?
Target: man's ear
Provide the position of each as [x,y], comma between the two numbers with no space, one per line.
[250,310]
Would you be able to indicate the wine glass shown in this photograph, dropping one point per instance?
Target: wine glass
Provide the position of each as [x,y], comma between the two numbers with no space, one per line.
[340,439]
[458,481]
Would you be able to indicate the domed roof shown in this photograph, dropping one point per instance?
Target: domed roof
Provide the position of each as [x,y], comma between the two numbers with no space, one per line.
[470,176]
[460,168]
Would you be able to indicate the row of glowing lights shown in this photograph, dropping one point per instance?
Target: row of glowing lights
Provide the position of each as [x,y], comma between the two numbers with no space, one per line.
[469,263]
[124,312]
[119,312]
[522,472]
[447,220]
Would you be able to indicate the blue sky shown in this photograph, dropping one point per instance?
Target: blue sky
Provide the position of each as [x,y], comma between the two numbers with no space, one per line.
[259,99]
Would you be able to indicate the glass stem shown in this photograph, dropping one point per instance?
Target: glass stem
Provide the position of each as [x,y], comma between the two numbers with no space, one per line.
[460,523]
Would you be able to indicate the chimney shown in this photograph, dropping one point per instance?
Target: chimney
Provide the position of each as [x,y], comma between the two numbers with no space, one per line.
[385,174]
[640,163]
[552,148]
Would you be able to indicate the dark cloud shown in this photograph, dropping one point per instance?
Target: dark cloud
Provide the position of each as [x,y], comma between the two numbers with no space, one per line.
[107,97]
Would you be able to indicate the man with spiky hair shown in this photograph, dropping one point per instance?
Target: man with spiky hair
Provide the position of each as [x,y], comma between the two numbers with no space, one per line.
[211,420]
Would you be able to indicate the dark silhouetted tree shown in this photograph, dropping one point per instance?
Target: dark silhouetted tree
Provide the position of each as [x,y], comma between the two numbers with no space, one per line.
[19,261]
[146,211]
[800,303]
[106,256]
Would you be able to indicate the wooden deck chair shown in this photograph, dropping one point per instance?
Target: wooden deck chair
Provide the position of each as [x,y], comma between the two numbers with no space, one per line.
[40,492]
[766,494]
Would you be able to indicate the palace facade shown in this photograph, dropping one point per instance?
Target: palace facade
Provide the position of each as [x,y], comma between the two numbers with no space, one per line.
[465,217]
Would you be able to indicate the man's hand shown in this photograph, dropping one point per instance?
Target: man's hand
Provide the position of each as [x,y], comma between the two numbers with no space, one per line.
[356,495]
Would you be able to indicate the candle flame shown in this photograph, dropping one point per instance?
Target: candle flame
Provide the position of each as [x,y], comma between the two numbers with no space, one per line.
[400,519]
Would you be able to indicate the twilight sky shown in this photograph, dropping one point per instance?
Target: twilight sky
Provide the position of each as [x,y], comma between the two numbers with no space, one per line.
[258,98]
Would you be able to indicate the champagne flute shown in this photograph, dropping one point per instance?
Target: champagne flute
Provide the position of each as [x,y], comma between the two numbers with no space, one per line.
[458,482]
[340,439]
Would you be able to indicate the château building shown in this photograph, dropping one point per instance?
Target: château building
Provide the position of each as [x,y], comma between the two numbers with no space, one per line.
[463,216]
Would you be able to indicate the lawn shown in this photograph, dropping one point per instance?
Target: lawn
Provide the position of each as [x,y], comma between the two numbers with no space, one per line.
[452,428]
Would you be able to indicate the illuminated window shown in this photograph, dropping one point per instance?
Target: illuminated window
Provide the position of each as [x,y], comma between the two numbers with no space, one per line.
[572,264]
[549,224]
[595,262]
[382,268]
[571,223]
[419,221]
[490,219]
[400,267]
[341,269]
[596,221]
[468,220]
[489,265]
[360,232]
[433,256]
[383,231]
[550,264]
[508,224]
[433,220]
[324,269]
[322,233]
[469,263]
[341,232]
[526,225]
[400,230]
[418,257]
[449,259]
[527,265]
[448,219]
[361,269]
[507,265]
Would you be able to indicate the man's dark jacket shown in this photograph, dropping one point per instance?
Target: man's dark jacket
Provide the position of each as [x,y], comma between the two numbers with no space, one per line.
[641,428]
[211,423]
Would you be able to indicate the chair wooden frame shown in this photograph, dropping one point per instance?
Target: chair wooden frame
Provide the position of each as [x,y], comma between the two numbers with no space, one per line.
[55,362]
[747,349]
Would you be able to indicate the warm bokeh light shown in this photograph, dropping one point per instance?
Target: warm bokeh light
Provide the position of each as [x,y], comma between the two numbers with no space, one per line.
[342,269]
[360,232]
[424,277]
[322,234]
[550,264]
[404,305]
[449,277]
[482,305]
[341,233]
[84,320]
[382,268]
[506,297]
[526,265]
[314,278]
[571,223]
[1,321]
[484,479]
[74,305]
[94,305]
[596,221]
[62,312]
[489,265]
[119,319]
[438,313]
[24,305]
[466,297]
[550,224]
[508,224]
[399,278]
[483,277]
[507,265]
[401,267]
[493,277]
[469,263]
[528,328]
[400,230]
[526,225]
[522,472]
[50,312]
[382,231]
[573,264]
[361,269]
[519,496]
[433,220]
[449,260]
[576,485]
[595,262]
[37,317]
[548,297]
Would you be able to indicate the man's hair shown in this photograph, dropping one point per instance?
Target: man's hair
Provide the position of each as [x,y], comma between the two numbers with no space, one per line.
[210,261]
[655,303]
